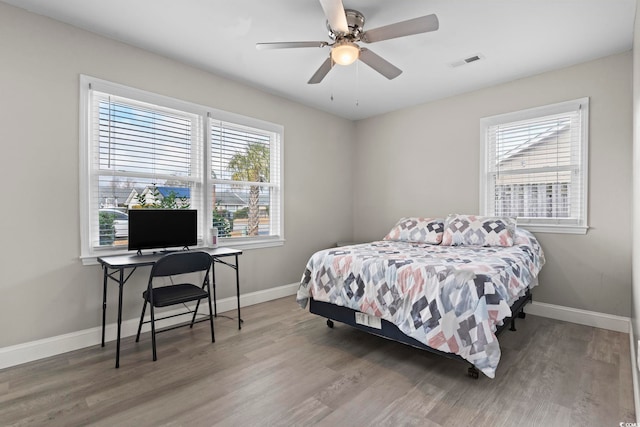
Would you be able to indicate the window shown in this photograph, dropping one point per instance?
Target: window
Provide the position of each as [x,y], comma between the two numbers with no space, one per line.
[243,174]
[140,150]
[534,167]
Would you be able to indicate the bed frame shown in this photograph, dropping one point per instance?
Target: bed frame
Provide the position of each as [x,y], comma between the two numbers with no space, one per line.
[390,331]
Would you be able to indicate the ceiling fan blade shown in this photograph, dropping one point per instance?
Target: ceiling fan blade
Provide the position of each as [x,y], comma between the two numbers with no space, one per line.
[287,45]
[336,16]
[379,64]
[423,24]
[321,72]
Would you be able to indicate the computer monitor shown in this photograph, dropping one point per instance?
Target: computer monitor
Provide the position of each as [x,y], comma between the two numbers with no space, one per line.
[162,228]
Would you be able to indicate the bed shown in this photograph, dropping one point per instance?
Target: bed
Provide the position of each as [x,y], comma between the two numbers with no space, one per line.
[444,285]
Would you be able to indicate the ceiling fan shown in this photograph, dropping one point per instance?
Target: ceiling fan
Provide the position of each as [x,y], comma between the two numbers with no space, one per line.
[346,29]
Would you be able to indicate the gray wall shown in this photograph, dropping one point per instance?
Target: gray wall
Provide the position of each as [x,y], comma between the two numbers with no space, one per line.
[45,290]
[424,161]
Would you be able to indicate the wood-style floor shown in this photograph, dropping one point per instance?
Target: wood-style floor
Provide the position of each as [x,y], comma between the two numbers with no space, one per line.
[287,368]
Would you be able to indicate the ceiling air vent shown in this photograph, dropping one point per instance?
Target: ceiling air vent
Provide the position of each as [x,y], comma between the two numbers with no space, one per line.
[469,60]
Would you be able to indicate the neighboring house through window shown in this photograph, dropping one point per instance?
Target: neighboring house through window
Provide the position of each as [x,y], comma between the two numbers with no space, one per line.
[140,150]
[534,167]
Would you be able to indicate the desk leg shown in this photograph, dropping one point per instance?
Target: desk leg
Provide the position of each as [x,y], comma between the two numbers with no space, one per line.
[104,301]
[213,283]
[120,286]
[238,292]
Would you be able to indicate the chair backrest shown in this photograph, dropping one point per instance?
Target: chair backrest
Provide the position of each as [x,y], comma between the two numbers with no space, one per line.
[181,263]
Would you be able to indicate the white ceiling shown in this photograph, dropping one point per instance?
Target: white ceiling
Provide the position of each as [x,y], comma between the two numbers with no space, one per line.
[516,38]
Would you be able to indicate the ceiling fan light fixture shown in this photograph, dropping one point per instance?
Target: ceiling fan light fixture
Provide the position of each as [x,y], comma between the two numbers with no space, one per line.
[345,53]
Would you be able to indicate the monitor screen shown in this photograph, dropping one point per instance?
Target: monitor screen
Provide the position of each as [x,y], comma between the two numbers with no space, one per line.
[162,228]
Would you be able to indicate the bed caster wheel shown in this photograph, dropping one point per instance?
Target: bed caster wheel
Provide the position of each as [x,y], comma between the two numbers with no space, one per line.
[330,323]
[522,315]
[473,372]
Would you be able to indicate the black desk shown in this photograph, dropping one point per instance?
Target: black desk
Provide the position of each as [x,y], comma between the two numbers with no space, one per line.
[114,268]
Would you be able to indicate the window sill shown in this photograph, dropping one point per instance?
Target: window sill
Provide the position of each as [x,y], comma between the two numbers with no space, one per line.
[249,243]
[560,229]
[243,244]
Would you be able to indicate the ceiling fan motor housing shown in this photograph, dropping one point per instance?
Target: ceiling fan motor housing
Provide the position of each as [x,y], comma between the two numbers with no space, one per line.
[355,22]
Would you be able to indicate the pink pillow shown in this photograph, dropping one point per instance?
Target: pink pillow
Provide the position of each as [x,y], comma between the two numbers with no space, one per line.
[478,230]
[417,230]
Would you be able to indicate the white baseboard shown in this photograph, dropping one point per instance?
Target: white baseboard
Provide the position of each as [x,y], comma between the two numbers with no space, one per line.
[634,370]
[34,350]
[581,317]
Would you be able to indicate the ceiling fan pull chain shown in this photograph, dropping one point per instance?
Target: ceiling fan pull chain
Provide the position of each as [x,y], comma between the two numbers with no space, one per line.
[357,84]
[332,64]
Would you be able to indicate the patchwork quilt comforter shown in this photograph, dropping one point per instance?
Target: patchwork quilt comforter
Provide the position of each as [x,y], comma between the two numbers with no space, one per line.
[451,298]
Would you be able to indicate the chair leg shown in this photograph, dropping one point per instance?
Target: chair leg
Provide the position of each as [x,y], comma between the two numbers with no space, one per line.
[144,307]
[213,338]
[153,334]
[195,312]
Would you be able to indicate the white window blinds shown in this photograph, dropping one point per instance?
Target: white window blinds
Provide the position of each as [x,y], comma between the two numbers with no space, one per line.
[534,165]
[146,140]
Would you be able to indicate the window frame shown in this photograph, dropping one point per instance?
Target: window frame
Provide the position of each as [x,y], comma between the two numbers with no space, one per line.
[208,115]
[544,225]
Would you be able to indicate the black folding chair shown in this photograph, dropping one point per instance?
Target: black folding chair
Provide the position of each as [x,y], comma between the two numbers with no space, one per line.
[170,265]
